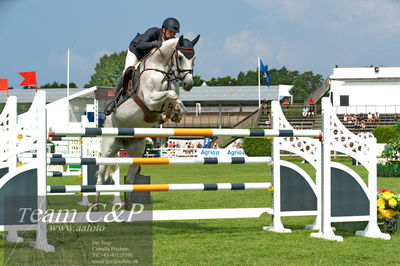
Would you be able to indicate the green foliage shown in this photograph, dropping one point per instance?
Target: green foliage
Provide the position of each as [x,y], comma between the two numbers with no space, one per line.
[390,135]
[198,81]
[384,133]
[149,145]
[23,107]
[397,126]
[304,83]
[29,87]
[257,146]
[108,70]
[56,85]
[389,170]
[224,81]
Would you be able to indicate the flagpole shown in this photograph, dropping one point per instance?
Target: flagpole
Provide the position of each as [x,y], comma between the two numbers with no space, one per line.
[68,72]
[259,86]
[68,86]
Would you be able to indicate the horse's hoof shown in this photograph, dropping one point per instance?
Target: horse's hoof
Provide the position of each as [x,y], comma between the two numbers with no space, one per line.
[128,206]
[110,107]
[109,181]
[95,207]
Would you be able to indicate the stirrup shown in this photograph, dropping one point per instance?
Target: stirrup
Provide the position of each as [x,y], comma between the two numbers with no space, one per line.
[110,107]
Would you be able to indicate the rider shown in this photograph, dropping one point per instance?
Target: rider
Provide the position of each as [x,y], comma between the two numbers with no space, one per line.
[142,45]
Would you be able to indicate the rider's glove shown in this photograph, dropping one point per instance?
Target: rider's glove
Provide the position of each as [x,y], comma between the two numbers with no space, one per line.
[156,44]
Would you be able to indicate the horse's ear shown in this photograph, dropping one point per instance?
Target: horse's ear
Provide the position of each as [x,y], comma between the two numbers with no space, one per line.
[180,41]
[195,40]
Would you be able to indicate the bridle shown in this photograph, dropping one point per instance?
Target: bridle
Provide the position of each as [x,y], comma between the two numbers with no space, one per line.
[179,70]
[169,75]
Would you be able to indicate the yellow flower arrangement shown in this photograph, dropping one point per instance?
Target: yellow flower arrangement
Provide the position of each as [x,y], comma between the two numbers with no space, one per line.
[388,204]
[388,207]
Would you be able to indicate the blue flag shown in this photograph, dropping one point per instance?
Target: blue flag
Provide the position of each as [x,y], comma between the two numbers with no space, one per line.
[265,70]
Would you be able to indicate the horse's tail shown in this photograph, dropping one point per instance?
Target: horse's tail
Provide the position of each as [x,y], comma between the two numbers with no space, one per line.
[110,170]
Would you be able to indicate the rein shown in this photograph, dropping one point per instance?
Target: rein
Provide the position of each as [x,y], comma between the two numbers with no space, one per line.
[169,73]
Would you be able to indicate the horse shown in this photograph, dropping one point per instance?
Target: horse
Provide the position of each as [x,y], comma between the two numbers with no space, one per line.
[152,97]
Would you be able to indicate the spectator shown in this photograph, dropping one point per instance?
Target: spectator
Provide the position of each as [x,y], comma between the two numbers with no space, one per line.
[369,118]
[170,145]
[344,118]
[264,104]
[305,111]
[311,111]
[349,119]
[286,104]
[215,145]
[363,124]
[377,118]
[360,117]
[356,124]
[354,118]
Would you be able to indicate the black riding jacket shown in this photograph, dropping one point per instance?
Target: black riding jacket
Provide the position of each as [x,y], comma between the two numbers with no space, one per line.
[143,43]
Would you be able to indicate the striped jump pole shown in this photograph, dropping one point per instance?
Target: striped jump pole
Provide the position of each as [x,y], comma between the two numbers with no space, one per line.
[158,187]
[183,132]
[157,161]
[65,138]
[54,155]
[64,174]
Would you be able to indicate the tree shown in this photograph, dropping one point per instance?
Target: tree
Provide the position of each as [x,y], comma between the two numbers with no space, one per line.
[392,149]
[108,70]
[304,83]
[198,81]
[247,79]
[224,81]
[28,87]
[56,85]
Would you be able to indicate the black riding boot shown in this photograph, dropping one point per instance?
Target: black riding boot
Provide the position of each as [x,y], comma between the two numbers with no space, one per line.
[110,107]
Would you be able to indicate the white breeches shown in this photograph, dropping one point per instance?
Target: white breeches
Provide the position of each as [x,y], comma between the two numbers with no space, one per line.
[130,60]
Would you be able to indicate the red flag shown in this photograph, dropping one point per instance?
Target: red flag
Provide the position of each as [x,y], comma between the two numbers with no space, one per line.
[29,78]
[3,84]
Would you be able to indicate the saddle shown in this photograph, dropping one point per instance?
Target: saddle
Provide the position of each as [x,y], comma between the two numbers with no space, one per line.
[129,89]
[130,81]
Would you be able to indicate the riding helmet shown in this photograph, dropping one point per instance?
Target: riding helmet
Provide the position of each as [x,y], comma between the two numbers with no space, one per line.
[172,24]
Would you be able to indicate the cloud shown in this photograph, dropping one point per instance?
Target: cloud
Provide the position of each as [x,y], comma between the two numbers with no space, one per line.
[292,9]
[246,47]
[362,17]
[246,43]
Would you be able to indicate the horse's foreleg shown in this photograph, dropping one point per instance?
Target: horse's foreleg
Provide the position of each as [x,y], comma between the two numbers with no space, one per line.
[179,111]
[135,148]
[155,100]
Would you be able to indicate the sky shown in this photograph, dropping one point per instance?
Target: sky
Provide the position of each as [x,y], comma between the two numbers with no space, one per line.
[306,35]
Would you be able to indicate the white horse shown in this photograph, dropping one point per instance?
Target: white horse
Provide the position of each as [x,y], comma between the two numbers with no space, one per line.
[152,97]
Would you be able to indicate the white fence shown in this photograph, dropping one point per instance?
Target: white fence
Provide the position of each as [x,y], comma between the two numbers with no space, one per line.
[365,109]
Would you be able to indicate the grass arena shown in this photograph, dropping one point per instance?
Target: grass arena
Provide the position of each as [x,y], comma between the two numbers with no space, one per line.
[228,240]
